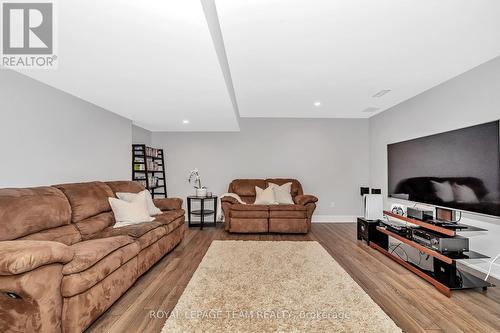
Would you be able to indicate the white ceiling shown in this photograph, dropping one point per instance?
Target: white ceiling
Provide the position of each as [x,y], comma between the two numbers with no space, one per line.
[159,62]
[285,55]
[151,61]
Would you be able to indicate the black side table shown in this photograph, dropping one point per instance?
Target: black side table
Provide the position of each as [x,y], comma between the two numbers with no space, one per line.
[202,212]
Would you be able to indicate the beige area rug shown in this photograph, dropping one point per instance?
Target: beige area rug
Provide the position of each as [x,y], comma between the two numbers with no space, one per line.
[274,286]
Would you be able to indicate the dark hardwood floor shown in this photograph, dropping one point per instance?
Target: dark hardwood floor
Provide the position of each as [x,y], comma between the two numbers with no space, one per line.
[411,302]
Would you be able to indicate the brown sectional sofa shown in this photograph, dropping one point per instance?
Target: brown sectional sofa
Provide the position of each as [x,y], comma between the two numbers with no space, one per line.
[62,264]
[250,218]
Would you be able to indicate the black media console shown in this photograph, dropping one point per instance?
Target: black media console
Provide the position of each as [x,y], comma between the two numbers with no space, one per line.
[437,267]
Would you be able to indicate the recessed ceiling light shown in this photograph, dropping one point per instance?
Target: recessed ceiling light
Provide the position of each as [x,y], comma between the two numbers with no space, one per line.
[185,121]
[317,104]
[382,93]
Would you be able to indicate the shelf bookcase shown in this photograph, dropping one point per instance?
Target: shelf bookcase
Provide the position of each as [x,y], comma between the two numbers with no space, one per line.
[148,168]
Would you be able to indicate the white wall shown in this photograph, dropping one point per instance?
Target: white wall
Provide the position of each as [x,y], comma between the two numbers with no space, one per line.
[51,137]
[141,135]
[469,99]
[328,156]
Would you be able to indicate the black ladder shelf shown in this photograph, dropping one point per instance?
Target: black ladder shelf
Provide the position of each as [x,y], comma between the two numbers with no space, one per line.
[148,168]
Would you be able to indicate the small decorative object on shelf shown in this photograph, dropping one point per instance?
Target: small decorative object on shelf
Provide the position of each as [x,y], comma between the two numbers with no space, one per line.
[195,179]
[148,168]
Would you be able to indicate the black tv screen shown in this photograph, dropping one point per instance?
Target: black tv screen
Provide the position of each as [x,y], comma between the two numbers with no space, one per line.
[459,169]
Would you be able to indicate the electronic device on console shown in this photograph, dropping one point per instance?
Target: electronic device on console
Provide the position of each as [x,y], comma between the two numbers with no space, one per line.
[397,227]
[419,214]
[454,225]
[446,224]
[374,207]
[440,243]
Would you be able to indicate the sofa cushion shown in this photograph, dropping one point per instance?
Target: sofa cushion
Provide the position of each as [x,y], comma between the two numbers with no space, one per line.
[29,210]
[151,236]
[287,207]
[169,216]
[87,199]
[249,214]
[77,283]
[125,186]
[66,234]
[290,211]
[133,230]
[245,225]
[248,199]
[174,224]
[89,252]
[288,225]
[294,214]
[249,207]
[240,211]
[246,187]
[95,224]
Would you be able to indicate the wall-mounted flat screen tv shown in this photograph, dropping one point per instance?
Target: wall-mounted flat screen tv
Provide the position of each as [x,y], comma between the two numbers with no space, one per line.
[459,169]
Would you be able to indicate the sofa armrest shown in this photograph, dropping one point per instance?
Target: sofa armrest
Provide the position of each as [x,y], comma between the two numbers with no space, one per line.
[168,203]
[304,199]
[20,256]
[226,209]
[229,200]
[30,285]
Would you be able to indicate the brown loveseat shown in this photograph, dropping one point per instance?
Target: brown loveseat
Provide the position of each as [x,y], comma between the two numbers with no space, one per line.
[250,218]
[62,264]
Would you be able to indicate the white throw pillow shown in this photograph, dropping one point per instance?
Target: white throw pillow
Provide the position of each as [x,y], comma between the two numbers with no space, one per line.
[129,197]
[264,197]
[464,194]
[283,193]
[443,191]
[132,212]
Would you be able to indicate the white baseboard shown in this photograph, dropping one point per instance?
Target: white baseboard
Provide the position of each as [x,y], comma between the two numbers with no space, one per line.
[323,218]
[333,219]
